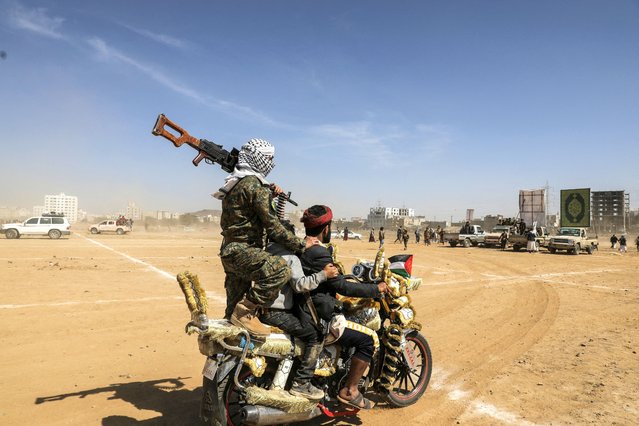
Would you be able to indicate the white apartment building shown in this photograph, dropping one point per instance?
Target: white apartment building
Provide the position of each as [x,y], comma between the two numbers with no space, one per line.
[380,216]
[61,203]
[133,211]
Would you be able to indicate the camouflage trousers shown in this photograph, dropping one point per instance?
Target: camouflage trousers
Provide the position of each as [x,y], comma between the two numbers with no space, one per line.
[252,272]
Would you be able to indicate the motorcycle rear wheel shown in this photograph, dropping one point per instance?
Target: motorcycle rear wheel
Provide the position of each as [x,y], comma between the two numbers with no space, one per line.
[232,398]
[410,385]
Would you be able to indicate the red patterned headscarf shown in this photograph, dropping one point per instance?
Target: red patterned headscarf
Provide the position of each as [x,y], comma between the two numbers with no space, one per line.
[316,216]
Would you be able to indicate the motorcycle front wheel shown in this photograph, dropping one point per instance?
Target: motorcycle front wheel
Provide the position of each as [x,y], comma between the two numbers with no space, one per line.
[411,383]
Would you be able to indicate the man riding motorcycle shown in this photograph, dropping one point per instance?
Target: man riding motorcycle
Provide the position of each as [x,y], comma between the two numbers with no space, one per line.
[280,313]
[317,223]
[247,218]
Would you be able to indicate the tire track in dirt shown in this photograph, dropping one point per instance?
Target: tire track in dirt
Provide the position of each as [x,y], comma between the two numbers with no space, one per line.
[486,338]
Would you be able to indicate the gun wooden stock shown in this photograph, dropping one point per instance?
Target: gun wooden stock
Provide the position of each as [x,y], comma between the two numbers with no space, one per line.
[182,137]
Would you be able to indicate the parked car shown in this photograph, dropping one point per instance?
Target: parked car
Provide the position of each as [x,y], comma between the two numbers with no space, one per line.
[573,240]
[472,235]
[491,239]
[50,224]
[351,235]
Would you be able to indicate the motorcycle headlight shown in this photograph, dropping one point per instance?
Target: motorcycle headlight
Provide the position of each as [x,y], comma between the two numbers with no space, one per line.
[359,270]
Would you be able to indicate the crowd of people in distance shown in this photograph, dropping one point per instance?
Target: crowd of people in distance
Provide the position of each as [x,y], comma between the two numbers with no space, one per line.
[623,243]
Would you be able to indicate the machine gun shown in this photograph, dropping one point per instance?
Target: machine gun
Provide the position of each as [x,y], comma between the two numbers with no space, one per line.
[208,151]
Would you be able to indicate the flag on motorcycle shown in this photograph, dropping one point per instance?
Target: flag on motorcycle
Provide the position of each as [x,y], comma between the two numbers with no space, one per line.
[401,264]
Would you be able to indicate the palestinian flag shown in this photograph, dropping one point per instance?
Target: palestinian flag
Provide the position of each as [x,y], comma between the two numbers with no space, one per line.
[401,264]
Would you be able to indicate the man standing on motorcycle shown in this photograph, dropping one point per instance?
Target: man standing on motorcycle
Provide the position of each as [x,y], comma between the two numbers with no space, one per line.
[247,218]
[317,223]
[280,314]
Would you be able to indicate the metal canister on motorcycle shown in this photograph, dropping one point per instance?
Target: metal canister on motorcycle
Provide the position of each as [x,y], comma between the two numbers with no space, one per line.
[281,375]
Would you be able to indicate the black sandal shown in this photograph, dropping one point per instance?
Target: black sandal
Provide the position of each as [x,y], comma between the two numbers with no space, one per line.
[368,404]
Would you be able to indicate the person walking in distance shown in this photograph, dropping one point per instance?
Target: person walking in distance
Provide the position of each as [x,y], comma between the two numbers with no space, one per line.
[613,241]
[400,233]
[371,236]
[623,248]
[382,236]
[405,237]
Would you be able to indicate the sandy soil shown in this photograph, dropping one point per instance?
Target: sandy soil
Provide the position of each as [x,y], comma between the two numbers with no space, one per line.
[91,330]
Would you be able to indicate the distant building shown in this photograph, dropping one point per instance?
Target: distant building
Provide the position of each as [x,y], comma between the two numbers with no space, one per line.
[387,216]
[61,203]
[133,212]
[610,210]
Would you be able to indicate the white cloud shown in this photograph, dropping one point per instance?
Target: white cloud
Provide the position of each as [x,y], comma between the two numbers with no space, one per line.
[37,21]
[357,137]
[378,143]
[159,38]
[107,53]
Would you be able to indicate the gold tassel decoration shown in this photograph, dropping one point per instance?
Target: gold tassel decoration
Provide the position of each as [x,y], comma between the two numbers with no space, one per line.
[339,265]
[193,293]
[257,364]
[378,262]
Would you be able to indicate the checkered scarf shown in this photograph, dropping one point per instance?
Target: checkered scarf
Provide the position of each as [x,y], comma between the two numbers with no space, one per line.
[255,159]
[257,154]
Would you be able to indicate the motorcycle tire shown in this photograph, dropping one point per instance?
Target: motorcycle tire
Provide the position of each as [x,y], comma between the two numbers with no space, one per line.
[209,402]
[411,385]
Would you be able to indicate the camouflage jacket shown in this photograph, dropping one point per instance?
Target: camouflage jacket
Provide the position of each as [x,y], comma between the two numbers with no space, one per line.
[248,217]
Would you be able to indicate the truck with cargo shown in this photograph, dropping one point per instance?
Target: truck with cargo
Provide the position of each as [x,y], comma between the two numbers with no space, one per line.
[118,227]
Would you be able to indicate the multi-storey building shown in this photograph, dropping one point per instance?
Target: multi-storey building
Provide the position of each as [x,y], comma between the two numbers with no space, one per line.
[384,216]
[610,210]
[61,203]
[133,211]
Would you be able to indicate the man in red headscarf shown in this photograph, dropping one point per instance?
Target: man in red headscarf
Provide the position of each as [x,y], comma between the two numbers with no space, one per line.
[317,223]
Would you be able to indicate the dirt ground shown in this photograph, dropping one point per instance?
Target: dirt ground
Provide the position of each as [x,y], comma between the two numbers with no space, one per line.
[92,332]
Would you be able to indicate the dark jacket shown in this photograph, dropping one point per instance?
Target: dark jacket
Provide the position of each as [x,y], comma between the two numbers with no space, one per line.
[314,259]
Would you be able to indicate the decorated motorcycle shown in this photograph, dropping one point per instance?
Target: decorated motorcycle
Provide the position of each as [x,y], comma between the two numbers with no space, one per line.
[245,381]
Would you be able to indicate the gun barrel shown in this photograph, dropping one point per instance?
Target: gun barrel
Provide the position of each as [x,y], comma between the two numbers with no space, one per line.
[287,197]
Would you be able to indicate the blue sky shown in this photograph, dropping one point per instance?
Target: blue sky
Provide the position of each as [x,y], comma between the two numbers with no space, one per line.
[435,105]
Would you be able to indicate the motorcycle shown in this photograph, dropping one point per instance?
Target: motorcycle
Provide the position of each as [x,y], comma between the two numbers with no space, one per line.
[245,380]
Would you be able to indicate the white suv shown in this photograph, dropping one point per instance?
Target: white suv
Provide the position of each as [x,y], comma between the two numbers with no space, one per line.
[53,225]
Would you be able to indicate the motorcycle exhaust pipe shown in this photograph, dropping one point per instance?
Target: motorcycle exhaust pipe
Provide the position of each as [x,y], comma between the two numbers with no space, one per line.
[256,415]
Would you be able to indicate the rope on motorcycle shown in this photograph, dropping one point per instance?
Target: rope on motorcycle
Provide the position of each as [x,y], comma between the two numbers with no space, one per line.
[193,293]
[283,400]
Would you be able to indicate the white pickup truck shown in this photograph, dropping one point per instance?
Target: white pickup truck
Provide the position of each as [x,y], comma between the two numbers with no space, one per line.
[573,240]
[519,241]
[468,235]
[109,226]
[491,239]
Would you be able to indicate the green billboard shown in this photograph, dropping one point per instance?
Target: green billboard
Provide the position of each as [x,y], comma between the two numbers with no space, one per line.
[575,207]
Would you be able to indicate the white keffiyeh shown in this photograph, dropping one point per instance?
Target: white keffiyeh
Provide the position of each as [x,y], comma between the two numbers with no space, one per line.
[255,159]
